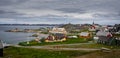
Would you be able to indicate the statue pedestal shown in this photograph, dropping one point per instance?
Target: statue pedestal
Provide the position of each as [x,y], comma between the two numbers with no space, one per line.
[1,52]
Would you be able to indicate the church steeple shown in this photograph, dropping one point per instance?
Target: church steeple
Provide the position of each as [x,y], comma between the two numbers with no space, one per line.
[93,23]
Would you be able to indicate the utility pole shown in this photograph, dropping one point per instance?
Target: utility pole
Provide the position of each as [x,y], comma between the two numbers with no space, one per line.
[28,39]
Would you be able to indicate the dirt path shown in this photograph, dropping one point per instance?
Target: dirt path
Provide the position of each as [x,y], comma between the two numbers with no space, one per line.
[58,47]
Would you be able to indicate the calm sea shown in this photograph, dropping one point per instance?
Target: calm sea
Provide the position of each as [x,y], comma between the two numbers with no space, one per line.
[16,37]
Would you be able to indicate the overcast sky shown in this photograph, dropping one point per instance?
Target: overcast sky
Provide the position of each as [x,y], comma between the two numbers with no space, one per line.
[59,11]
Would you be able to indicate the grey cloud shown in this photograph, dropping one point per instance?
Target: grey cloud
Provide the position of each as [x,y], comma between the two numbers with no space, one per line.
[104,15]
[10,14]
[72,10]
[10,2]
[6,12]
[8,8]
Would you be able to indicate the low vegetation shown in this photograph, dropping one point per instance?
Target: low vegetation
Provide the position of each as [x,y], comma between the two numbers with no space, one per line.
[99,54]
[68,41]
[14,52]
[44,32]
[93,45]
[34,35]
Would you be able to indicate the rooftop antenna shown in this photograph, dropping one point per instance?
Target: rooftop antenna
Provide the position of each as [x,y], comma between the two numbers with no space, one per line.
[28,39]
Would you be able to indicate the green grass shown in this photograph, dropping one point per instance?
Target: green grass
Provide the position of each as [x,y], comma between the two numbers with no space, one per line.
[68,41]
[14,52]
[92,46]
[44,32]
[100,54]
[34,35]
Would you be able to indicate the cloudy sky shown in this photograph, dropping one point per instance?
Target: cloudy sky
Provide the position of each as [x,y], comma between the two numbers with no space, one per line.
[59,11]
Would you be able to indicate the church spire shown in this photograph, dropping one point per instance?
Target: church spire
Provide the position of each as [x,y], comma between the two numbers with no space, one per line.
[93,23]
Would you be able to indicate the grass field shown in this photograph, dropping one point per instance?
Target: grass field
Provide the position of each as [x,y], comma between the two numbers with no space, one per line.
[99,54]
[14,52]
[94,45]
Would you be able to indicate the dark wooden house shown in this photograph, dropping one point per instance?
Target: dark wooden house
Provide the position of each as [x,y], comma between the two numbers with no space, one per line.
[55,37]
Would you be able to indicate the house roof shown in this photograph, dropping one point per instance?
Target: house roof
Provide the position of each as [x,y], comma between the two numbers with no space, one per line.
[84,34]
[57,34]
[102,33]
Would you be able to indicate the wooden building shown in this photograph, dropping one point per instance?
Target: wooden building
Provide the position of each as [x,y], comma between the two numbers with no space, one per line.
[55,38]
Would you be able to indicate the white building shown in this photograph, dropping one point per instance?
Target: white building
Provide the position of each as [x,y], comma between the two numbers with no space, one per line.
[102,33]
[58,30]
[84,34]
[94,27]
